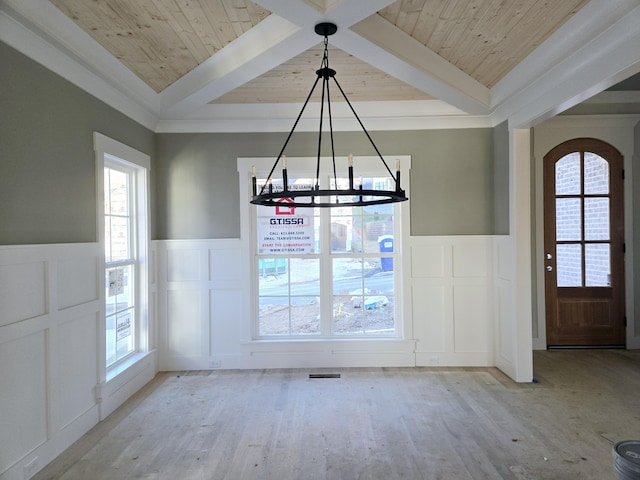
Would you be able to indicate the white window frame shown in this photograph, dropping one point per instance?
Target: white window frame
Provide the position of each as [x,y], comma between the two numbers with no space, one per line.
[110,152]
[363,165]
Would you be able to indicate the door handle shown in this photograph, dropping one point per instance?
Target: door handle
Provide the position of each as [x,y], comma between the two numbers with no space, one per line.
[549,268]
[549,256]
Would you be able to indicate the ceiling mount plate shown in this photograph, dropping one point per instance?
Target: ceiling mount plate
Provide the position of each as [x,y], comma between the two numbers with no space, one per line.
[326,28]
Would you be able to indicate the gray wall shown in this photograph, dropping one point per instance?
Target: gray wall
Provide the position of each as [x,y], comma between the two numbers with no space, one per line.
[47,163]
[452,178]
[501,179]
[47,171]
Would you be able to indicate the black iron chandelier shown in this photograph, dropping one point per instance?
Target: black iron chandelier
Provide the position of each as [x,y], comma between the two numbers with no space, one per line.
[331,197]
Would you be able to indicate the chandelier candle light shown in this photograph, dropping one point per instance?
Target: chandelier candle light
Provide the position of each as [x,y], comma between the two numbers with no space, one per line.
[330,197]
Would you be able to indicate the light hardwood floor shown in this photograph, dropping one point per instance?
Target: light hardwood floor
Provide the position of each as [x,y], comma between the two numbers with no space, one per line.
[383,423]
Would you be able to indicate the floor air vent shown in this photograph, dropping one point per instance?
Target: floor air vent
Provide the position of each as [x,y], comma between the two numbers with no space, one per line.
[324,375]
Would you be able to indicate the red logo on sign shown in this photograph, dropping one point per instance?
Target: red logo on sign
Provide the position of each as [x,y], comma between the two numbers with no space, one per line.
[284,209]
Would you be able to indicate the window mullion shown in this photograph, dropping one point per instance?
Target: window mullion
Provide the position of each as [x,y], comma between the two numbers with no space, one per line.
[326,270]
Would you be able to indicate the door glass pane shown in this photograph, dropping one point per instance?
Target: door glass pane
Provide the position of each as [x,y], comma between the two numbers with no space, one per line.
[596,218]
[596,174]
[568,175]
[597,265]
[569,265]
[568,219]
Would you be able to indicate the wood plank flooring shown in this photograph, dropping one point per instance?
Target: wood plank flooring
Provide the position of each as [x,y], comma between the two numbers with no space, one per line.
[383,423]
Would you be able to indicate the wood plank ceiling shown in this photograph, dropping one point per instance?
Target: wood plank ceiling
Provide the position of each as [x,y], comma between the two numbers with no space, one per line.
[162,40]
[483,38]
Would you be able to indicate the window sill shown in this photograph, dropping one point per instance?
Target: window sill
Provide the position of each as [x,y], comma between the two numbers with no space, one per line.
[323,340]
[135,362]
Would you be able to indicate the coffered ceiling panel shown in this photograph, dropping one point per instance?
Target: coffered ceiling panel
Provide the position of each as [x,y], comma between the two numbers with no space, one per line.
[162,40]
[236,63]
[483,38]
[292,81]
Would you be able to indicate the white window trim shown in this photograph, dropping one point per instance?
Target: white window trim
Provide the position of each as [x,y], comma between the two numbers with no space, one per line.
[363,165]
[107,147]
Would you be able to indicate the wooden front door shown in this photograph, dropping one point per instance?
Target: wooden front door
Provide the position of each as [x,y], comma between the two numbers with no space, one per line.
[584,244]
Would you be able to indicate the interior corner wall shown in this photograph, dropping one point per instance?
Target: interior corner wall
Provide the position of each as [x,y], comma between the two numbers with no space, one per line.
[47,163]
[622,132]
[50,261]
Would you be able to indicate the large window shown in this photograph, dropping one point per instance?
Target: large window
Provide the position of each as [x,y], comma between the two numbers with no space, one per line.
[120,261]
[122,178]
[327,272]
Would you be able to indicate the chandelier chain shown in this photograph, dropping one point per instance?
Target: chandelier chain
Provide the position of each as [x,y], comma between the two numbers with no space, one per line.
[335,196]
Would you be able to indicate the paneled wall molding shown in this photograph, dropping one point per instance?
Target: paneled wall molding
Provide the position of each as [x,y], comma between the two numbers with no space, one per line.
[51,392]
[451,288]
[202,300]
[455,287]
[49,320]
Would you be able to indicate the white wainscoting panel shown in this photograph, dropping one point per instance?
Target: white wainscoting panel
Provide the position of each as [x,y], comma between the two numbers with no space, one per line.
[78,366]
[472,319]
[23,397]
[183,265]
[471,258]
[226,310]
[505,336]
[22,290]
[227,302]
[201,303]
[48,351]
[205,316]
[204,310]
[77,281]
[184,322]
[452,300]
[430,261]
[224,265]
[432,316]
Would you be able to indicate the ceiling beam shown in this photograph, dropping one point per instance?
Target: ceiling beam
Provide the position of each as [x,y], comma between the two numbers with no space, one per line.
[608,58]
[378,42]
[267,45]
